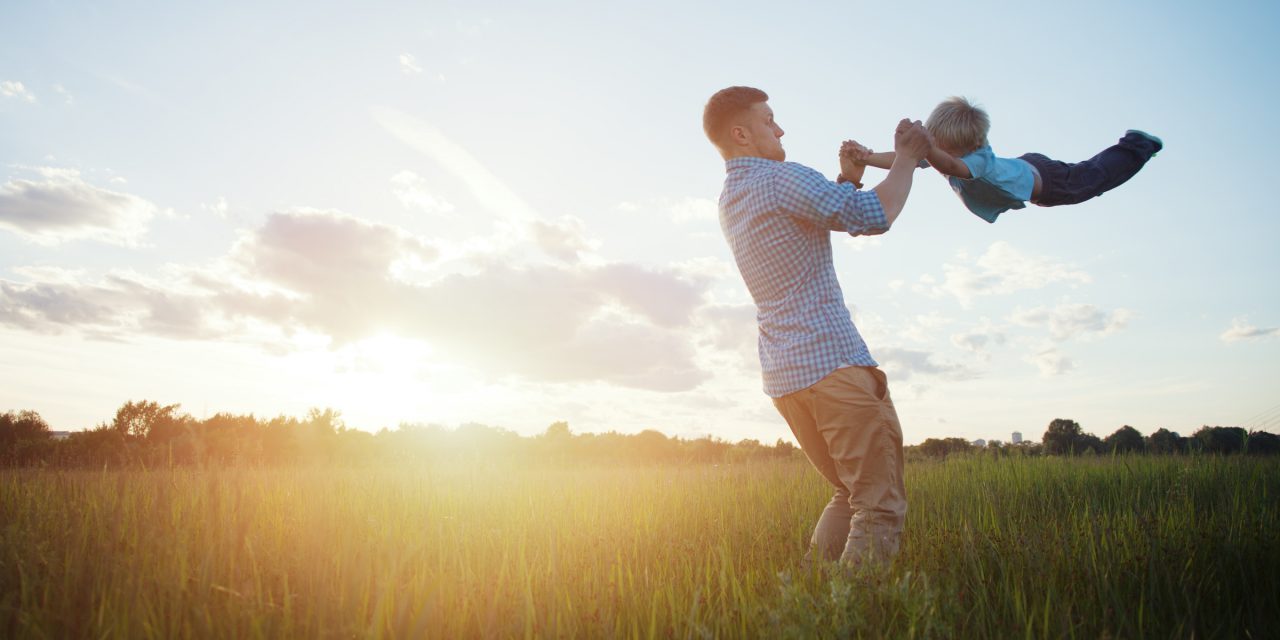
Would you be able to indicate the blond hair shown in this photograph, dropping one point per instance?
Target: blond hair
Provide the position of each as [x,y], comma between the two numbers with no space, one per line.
[959,124]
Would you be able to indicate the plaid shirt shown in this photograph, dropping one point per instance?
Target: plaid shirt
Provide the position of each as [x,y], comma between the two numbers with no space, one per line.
[777,217]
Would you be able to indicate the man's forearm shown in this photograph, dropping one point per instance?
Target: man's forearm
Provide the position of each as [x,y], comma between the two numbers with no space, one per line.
[895,187]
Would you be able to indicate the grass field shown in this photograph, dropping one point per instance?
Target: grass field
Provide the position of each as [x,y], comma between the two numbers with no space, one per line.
[1009,548]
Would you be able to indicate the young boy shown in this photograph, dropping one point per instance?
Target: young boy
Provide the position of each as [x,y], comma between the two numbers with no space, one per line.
[990,185]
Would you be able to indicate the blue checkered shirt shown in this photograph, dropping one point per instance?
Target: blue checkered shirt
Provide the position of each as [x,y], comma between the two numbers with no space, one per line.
[778,218]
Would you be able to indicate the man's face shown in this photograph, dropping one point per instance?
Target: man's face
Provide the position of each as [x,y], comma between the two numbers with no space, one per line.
[766,135]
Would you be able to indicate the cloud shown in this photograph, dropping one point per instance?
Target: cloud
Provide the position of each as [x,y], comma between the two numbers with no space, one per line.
[1242,330]
[411,190]
[1051,362]
[313,272]
[1068,321]
[679,211]
[1000,270]
[64,207]
[906,363]
[977,339]
[13,89]
[485,187]
[409,64]
[564,239]
[62,91]
[218,207]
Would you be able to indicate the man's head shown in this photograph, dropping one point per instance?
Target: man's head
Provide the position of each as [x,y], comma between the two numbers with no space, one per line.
[958,126]
[739,122]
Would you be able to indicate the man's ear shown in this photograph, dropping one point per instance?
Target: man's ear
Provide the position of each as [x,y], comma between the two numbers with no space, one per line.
[740,135]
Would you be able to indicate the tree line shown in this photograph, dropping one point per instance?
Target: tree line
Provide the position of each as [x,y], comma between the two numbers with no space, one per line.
[1065,438]
[148,434]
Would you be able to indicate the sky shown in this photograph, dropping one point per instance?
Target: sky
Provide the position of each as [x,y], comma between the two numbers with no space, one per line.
[505,213]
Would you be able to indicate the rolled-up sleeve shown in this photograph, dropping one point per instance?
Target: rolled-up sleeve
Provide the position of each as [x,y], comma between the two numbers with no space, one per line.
[810,196]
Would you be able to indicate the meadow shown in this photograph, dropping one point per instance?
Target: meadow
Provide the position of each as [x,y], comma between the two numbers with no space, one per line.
[1017,547]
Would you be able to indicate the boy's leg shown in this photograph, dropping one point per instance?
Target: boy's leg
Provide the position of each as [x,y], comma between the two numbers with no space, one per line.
[1066,183]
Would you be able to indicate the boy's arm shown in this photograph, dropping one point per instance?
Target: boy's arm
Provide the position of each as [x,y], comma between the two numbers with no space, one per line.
[947,164]
[881,160]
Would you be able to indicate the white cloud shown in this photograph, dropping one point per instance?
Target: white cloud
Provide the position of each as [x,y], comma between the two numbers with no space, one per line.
[1068,321]
[62,91]
[1051,362]
[1242,330]
[324,273]
[218,207]
[687,210]
[411,190]
[64,207]
[14,89]
[487,189]
[979,338]
[903,364]
[409,64]
[564,239]
[1000,270]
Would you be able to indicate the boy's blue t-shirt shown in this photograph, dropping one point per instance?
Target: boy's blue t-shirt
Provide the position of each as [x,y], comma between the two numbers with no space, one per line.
[997,184]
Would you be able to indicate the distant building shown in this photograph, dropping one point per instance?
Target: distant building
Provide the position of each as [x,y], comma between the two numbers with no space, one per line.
[1017,437]
[59,435]
[979,443]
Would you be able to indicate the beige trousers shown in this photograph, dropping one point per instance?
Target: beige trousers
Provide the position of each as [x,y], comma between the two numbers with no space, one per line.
[849,430]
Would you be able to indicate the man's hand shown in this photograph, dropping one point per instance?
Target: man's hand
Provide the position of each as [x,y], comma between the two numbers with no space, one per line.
[854,151]
[853,161]
[912,140]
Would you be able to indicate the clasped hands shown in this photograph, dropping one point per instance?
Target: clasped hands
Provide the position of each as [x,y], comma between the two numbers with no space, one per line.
[911,141]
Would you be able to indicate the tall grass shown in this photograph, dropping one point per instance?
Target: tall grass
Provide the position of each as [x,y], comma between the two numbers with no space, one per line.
[1130,547]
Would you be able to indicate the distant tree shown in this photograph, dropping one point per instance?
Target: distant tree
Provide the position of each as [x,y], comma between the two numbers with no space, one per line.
[1164,441]
[138,419]
[941,448]
[21,425]
[1062,437]
[1090,444]
[1220,439]
[1263,443]
[1126,439]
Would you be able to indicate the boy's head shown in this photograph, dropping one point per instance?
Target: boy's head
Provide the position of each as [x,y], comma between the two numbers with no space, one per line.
[958,126]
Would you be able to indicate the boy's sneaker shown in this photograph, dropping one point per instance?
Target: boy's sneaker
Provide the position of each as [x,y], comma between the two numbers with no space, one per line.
[1148,137]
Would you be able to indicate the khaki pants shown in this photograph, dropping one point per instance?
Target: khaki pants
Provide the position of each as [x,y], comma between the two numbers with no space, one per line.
[848,428]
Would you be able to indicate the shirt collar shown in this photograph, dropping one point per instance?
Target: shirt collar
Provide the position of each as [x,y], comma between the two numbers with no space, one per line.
[744,162]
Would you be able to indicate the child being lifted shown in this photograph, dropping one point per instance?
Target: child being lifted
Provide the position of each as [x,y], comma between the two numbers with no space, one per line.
[990,185]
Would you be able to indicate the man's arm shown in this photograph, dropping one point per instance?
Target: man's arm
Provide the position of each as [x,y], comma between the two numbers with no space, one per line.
[910,144]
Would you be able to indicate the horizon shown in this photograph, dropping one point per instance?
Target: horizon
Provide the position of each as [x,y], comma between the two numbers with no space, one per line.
[506,215]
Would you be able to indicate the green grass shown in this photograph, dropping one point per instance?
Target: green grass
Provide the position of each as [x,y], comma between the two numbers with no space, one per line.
[1126,547]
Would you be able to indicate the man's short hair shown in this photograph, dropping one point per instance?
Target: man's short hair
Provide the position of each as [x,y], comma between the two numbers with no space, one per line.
[959,124]
[725,106]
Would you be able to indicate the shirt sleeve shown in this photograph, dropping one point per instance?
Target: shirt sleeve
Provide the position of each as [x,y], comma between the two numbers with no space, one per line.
[979,162]
[806,194]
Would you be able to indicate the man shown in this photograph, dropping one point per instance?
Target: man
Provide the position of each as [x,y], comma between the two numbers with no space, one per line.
[778,217]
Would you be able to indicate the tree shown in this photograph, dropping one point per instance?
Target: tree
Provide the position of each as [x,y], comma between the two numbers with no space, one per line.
[1126,439]
[1263,443]
[1165,441]
[138,419]
[1220,439]
[1062,437]
[19,426]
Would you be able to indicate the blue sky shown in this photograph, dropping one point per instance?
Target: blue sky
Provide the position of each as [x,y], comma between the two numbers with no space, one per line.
[504,213]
